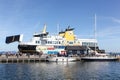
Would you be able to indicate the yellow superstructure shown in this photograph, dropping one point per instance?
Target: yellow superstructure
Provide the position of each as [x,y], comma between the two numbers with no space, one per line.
[61,34]
[68,34]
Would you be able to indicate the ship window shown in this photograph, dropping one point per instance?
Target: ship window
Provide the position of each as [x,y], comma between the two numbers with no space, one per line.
[83,43]
[70,42]
[52,42]
[78,52]
[92,44]
[74,41]
[59,46]
[55,46]
[55,42]
[49,42]
[62,47]
[37,41]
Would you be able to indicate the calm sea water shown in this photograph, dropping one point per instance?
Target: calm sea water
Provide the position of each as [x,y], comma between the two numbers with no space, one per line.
[60,71]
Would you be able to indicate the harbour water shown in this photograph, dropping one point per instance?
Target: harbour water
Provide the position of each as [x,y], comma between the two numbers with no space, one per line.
[60,71]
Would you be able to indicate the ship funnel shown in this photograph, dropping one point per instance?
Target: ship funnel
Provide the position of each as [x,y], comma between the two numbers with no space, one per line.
[44,29]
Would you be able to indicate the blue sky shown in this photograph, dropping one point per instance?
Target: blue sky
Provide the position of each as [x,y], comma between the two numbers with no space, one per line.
[29,16]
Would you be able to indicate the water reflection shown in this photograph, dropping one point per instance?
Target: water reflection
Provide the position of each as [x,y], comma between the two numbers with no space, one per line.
[60,71]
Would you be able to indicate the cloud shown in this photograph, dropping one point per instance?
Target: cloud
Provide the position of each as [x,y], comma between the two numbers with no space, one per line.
[3,34]
[116,20]
[113,19]
[109,32]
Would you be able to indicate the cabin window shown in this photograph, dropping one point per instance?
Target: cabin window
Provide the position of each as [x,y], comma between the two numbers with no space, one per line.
[67,41]
[37,42]
[75,42]
[59,42]
[55,42]
[49,42]
[43,42]
[55,46]
[70,42]
[78,52]
[89,44]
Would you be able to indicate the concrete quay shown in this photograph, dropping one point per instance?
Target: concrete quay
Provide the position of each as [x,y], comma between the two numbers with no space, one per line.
[22,59]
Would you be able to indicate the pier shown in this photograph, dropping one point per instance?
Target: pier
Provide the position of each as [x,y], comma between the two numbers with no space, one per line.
[36,58]
[22,59]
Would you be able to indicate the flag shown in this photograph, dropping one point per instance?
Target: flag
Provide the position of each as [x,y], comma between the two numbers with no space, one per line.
[10,39]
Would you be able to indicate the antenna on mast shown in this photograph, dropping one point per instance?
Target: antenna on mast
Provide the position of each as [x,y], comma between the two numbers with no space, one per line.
[58,26]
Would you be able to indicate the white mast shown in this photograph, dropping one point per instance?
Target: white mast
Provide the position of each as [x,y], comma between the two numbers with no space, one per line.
[44,29]
[95,32]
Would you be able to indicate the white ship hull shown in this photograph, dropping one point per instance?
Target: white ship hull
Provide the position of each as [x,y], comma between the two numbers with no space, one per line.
[62,59]
[99,58]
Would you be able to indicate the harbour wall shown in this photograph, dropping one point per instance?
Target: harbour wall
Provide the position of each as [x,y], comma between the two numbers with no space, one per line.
[30,58]
[22,59]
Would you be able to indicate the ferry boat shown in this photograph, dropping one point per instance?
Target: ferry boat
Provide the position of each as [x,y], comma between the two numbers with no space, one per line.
[65,43]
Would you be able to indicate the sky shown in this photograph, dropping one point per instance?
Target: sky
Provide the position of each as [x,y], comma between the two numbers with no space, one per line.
[29,16]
